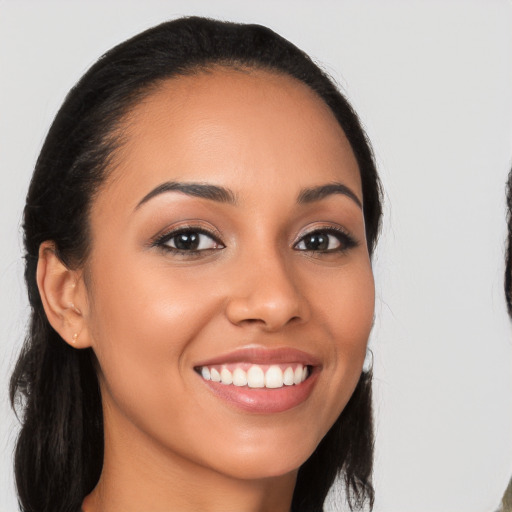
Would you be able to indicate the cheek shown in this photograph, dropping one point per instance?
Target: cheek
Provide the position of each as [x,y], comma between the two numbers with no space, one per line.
[346,312]
[356,316]
[355,313]
[344,304]
[142,322]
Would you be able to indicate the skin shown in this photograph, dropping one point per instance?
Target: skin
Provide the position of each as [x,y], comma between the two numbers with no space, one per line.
[151,315]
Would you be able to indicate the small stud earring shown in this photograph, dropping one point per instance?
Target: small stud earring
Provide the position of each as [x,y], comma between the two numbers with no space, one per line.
[75,337]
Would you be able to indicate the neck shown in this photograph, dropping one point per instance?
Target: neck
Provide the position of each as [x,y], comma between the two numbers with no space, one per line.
[138,474]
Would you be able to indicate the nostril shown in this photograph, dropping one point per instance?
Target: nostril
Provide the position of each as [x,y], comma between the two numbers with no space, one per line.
[249,321]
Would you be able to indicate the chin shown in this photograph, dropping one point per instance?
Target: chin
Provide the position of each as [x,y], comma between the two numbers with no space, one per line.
[271,462]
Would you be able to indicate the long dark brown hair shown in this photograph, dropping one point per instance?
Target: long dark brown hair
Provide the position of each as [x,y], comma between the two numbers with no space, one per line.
[508,253]
[54,388]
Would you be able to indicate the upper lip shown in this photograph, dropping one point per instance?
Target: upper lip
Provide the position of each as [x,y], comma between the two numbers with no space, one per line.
[261,355]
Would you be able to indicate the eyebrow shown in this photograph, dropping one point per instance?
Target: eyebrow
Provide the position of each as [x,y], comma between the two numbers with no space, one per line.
[224,195]
[202,190]
[310,195]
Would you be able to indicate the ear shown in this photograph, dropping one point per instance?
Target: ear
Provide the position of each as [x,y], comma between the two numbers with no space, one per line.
[64,296]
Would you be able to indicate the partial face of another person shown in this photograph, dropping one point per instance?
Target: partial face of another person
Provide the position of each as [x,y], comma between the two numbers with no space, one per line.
[230,293]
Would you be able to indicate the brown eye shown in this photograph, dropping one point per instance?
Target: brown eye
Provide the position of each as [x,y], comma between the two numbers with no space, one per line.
[186,241]
[325,241]
[189,240]
[318,242]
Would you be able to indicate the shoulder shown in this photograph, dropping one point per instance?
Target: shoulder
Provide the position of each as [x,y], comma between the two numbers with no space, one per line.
[506,503]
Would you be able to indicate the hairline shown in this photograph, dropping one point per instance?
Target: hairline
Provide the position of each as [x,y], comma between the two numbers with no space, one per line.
[118,133]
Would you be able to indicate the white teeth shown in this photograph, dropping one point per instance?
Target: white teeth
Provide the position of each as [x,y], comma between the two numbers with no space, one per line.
[297,376]
[255,377]
[225,376]
[239,377]
[274,377]
[288,376]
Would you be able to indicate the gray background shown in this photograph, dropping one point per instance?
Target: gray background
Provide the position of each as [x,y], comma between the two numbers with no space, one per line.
[432,82]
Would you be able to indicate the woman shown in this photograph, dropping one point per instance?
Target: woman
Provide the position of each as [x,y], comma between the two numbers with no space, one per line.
[198,234]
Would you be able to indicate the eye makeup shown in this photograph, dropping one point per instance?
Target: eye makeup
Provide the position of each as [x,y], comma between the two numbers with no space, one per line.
[188,240]
[328,239]
[193,240]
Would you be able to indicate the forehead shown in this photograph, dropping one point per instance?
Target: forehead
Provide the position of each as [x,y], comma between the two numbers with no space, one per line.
[233,128]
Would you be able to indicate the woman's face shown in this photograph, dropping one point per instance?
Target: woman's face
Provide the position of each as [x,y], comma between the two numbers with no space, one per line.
[229,243]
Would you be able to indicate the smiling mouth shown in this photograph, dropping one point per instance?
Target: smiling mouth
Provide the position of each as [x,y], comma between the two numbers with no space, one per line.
[261,380]
[256,376]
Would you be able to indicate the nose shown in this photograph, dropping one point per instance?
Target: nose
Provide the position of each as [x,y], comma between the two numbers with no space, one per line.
[267,294]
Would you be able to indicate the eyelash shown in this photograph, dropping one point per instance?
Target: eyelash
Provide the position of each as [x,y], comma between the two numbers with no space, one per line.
[162,241]
[345,240]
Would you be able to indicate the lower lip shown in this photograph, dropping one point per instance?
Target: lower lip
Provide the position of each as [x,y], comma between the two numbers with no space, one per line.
[264,400]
